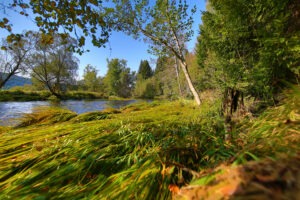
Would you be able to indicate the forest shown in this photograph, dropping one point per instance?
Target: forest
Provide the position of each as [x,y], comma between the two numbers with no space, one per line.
[224,122]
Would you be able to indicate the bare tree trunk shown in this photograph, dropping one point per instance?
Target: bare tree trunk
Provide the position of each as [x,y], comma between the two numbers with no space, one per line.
[190,83]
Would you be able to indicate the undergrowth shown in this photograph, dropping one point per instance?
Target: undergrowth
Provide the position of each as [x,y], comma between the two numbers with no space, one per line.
[276,131]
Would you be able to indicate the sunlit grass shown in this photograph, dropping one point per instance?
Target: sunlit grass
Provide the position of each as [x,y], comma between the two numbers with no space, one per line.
[135,152]
[21,94]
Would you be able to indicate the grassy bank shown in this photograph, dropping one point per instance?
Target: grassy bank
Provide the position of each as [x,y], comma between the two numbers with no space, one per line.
[20,95]
[142,151]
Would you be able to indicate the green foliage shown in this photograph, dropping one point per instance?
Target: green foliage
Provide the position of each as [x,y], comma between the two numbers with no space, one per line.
[165,25]
[166,85]
[145,88]
[118,80]
[53,64]
[84,95]
[145,70]
[21,95]
[249,46]
[91,81]
[84,18]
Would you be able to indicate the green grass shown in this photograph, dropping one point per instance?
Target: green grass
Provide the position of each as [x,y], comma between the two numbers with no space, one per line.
[276,131]
[274,134]
[20,95]
[110,154]
[135,152]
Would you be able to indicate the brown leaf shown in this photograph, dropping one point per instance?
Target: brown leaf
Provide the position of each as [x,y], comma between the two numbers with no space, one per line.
[174,189]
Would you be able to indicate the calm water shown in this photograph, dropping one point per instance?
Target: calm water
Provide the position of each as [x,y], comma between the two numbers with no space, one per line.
[10,111]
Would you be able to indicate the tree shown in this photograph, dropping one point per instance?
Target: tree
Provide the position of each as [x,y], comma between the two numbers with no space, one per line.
[144,87]
[52,62]
[165,83]
[145,70]
[14,53]
[126,79]
[166,25]
[90,78]
[118,80]
[160,64]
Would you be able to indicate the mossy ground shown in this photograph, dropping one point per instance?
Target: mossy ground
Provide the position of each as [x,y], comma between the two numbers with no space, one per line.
[136,152]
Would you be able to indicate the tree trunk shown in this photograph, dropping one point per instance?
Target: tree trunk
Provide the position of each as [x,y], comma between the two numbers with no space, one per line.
[52,91]
[177,74]
[190,84]
[4,81]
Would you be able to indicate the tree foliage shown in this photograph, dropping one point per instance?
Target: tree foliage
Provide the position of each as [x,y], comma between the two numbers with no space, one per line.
[119,79]
[248,48]
[145,85]
[90,79]
[81,18]
[166,79]
[145,70]
[53,64]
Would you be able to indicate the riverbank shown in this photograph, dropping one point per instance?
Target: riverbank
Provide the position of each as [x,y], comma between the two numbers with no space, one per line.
[142,151]
[19,95]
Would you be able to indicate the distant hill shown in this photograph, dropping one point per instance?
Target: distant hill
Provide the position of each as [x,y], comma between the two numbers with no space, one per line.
[16,81]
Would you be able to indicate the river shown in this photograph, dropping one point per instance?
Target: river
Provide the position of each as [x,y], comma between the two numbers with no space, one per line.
[11,111]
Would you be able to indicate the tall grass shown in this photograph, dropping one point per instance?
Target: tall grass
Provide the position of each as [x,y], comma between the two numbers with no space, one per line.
[276,131]
[133,153]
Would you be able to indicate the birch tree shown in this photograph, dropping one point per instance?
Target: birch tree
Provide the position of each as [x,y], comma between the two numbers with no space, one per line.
[166,25]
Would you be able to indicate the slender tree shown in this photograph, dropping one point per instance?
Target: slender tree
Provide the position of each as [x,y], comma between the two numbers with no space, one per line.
[165,24]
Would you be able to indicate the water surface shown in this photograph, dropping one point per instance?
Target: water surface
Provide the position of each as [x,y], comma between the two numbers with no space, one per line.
[10,111]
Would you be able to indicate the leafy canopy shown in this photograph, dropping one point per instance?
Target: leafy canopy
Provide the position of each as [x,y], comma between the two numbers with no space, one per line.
[76,17]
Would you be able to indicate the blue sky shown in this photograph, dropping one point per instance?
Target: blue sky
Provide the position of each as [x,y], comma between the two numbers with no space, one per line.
[120,45]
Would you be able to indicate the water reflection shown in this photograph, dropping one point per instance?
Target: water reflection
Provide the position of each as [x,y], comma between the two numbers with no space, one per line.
[10,111]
